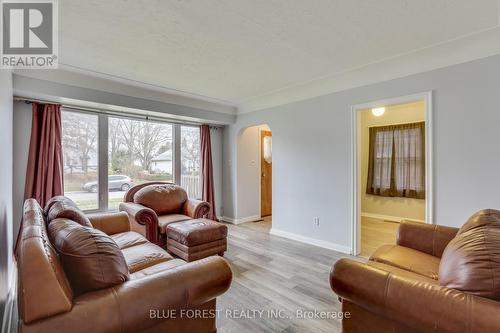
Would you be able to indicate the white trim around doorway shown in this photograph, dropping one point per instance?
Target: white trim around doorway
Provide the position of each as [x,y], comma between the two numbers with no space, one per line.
[260,172]
[356,169]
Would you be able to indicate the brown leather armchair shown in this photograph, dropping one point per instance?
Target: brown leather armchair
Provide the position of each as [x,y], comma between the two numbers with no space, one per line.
[436,279]
[156,291]
[152,206]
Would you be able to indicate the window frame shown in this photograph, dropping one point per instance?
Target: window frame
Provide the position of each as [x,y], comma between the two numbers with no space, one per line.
[103,145]
[71,110]
[200,187]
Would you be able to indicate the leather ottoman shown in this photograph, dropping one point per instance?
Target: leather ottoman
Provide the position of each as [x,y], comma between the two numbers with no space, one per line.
[196,239]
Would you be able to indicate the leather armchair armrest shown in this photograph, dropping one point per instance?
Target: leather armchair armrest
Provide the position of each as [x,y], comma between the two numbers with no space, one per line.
[110,223]
[428,238]
[143,219]
[417,304]
[196,209]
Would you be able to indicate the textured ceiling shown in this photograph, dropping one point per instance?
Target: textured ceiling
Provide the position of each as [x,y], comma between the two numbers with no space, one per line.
[237,50]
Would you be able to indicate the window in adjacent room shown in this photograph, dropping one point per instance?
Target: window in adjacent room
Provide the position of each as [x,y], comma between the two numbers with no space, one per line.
[396,164]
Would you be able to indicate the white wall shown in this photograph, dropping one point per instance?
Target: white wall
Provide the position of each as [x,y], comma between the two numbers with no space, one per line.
[311,150]
[22,133]
[248,173]
[391,207]
[6,233]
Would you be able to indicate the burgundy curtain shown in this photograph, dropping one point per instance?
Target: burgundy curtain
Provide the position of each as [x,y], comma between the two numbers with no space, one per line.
[207,171]
[44,174]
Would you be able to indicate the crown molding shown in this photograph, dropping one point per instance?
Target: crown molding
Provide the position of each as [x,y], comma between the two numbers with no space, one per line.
[125,99]
[464,49]
[145,85]
[85,78]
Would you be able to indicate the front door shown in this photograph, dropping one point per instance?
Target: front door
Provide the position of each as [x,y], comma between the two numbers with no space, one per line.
[266,179]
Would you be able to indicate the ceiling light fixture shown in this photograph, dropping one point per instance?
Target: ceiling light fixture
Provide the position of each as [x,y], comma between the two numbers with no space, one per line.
[377,112]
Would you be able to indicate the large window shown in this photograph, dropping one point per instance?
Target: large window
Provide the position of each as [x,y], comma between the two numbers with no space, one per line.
[80,154]
[136,151]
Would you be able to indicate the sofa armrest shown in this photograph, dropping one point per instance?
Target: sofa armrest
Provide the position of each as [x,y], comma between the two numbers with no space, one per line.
[142,219]
[128,306]
[187,285]
[414,303]
[428,238]
[196,209]
[110,223]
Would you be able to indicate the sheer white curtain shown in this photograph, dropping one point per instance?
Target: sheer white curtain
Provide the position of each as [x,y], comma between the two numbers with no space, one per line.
[409,164]
[397,161]
[382,161]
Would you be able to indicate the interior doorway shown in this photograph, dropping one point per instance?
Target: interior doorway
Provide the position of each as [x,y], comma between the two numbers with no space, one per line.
[254,176]
[392,173]
[266,174]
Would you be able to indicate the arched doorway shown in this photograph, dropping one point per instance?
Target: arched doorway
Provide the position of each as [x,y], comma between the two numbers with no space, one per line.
[254,157]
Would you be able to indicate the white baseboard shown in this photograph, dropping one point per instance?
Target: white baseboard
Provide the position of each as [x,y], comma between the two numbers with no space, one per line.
[390,218]
[311,241]
[240,220]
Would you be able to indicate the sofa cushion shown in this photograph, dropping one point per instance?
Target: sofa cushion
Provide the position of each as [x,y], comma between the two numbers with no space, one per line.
[91,259]
[58,198]
[64,209]
[408,259]
[471,261]
[144,255]
[402,272]
[165,220]
[162,198]
[484,217]
[158,268]
[128,239]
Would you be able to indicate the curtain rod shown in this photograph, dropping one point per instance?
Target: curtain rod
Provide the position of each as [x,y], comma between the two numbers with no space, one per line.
[396,124]
[122,114]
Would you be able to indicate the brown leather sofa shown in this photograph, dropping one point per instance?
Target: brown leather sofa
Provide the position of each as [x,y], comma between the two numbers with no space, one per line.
[436,279]
[106,278]
[152,206]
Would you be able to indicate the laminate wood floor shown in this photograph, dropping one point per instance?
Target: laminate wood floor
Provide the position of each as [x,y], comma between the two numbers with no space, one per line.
[376,232]
[278,277]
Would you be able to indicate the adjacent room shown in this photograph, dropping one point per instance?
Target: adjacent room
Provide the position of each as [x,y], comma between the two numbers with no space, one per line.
[392,162]
[282,166]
